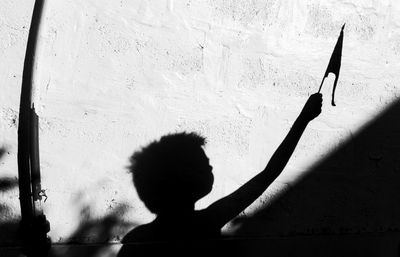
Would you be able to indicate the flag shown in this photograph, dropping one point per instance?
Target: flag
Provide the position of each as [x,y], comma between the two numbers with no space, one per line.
[334,64]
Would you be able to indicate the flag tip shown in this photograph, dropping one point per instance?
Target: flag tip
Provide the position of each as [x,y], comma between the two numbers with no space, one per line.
[343,26]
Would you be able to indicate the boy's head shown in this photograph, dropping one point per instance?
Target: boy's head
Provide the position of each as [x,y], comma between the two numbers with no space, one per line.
[172,172]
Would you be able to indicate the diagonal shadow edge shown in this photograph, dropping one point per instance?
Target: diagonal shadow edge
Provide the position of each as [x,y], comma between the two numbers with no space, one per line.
[354,189]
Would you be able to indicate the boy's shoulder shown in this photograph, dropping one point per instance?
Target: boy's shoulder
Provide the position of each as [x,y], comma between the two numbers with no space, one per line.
[196,225]
[140,233]
[138,242]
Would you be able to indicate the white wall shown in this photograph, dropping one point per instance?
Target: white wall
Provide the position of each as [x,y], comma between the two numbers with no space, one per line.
[114,75]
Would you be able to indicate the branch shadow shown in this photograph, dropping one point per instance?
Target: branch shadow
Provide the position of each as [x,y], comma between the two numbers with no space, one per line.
[354,190]
[8,222]
[94,236]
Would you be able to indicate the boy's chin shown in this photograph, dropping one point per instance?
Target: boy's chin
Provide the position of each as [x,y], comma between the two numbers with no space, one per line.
[205,192]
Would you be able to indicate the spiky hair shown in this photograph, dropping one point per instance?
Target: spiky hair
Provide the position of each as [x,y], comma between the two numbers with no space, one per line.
[158,170]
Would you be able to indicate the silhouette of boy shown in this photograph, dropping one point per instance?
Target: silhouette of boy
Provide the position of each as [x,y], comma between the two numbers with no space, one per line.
[171,174]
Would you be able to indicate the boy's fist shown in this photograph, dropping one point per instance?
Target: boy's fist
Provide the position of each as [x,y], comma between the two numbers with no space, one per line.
[312,108]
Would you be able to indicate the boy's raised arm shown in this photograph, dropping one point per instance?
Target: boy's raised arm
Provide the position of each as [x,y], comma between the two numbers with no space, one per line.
[230,206]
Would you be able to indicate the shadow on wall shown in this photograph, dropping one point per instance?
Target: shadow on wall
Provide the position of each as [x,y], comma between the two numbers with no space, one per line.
[8,227]
[93,236]
[100,230]
[355,190]
[8,222]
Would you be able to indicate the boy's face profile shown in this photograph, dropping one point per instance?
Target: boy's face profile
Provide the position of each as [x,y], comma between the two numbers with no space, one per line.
[202,172]
[199,173]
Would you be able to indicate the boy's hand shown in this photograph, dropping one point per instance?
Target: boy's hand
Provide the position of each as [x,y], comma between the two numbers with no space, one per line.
[312,108]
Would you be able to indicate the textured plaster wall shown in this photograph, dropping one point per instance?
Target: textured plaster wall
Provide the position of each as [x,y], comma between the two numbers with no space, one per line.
[115,75]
